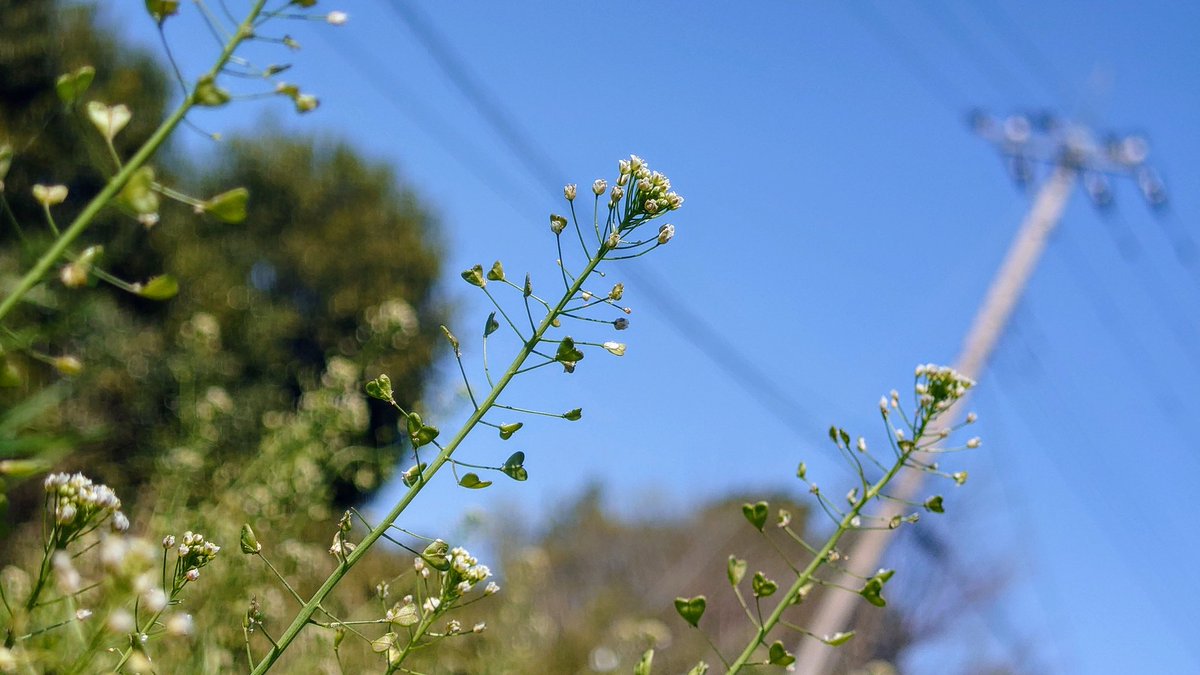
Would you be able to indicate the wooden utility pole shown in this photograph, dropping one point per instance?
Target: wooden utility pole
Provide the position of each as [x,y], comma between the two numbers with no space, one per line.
[835,609]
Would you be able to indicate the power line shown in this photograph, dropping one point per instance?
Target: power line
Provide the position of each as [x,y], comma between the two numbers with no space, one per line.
[998,76]
[543,172]
[937,86]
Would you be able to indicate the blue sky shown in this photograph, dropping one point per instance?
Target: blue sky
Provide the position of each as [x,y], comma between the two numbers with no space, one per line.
[842,224]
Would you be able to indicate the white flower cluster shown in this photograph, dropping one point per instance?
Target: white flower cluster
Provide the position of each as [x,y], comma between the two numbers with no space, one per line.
[468,569]
[194,553]
[77,500]
[654,193]
[938,387]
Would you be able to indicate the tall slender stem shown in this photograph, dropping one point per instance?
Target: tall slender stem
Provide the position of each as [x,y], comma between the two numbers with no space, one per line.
[806,576]
[306,612]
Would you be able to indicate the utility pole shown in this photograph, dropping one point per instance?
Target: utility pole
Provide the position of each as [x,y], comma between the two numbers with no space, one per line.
[1073,154]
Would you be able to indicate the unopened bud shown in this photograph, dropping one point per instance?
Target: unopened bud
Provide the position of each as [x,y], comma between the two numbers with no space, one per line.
[599,186]
[569,192]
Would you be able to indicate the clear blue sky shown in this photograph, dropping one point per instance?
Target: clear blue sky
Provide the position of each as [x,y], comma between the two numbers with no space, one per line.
[841,225]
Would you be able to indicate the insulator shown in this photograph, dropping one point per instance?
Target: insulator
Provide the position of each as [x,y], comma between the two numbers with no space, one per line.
[980,122]
[1020,169]
[1099,190]
[1016,129]
[1152,187]
[1134,150]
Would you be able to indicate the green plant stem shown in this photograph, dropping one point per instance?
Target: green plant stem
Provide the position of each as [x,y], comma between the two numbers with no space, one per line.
[117,182]
[306,612]
[808,575]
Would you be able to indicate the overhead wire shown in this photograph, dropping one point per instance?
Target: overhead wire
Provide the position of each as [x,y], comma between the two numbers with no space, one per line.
[544,172]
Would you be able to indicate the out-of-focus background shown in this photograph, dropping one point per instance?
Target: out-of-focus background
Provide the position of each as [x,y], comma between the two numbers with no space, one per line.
[854,173]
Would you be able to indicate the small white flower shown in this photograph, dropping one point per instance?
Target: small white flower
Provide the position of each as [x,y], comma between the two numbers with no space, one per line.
[666,233]
[431,604]
[615,348]
[491,588]
[569,192]
[883,405]
[154,599]
[599,186]
[974,442]
[479,627]
[120,522]
[180,625]
[862,444]
[50,195]
[336,18]
[971,417]
[192,574]
[83,614]
[120,621]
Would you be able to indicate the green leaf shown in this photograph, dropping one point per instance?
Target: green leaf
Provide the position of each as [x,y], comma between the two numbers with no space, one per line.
[435,555]
[567,353]
[491,325]
[496,273]
[70,86]
[108,120]
[699,669]
[934,504]
[644,664]
[228,207]
[838,639]
[507,430]
[208,94]
[691,609]
[756,514]
[138,194]
[873,588]
[380,388]
[763,587]
[249,541]
[407,616]
[424,436]
[573,415]
[777,655]
[161,287]
[161,9]
[474,276]
[736,570]
[419,432]
[471,481]
[514,467]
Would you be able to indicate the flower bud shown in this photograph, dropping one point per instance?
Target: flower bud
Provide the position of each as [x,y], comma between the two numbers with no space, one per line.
[599,186]
[336,18]
[666,233]
[569,192]
[615,348]
[621,323]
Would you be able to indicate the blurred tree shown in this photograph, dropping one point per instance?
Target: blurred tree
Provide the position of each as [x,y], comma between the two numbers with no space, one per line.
[334,259]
